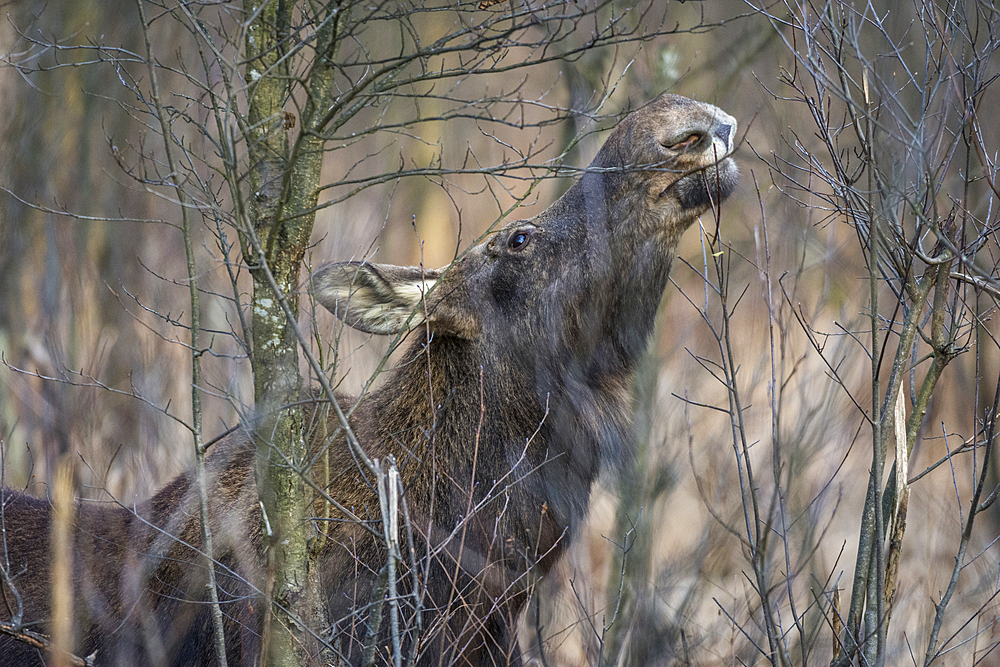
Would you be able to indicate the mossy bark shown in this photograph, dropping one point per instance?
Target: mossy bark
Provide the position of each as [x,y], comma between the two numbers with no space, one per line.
[284,179]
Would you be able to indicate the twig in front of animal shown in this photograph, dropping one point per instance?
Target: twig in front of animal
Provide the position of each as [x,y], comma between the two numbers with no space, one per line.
[492,495]
[388,495]
[471,492]
[43,643]
[17,613]
[311,483]
[441,551]
[499,484]
[548,642]
[498,603]
[166,535]
[355,618]
[269,577]
[418,593]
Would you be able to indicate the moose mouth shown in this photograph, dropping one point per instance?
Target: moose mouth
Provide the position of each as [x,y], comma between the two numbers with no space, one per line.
[706,187]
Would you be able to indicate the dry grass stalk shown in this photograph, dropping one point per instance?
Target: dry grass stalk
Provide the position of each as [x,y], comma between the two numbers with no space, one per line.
[837,625]
[64,511]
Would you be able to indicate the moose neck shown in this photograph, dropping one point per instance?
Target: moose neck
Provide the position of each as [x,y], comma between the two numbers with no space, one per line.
[500,423]
[631,251]
[450,383]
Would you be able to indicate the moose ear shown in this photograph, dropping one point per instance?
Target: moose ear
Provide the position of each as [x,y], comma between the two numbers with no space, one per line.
[375,298]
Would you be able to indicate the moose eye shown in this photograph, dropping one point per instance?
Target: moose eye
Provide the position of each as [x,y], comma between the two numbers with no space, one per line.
[687,142]
[518,240]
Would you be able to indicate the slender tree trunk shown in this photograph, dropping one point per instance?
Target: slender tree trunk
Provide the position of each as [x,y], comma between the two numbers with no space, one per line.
[284,184]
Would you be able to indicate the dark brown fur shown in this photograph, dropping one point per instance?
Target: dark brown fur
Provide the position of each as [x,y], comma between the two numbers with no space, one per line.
[512,396]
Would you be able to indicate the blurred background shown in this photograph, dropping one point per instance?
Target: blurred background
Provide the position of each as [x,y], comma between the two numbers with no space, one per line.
[93,300]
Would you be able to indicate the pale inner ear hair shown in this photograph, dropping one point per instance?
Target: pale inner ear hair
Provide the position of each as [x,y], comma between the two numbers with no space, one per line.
[386,309]
[371,298]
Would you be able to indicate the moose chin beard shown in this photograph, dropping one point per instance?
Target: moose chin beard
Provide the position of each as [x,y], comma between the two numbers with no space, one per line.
[704,188]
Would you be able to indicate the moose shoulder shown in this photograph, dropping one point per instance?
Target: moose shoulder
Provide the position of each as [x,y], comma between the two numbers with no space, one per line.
[513,394]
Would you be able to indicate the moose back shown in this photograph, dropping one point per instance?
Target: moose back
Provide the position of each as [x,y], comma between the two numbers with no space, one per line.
[513,394]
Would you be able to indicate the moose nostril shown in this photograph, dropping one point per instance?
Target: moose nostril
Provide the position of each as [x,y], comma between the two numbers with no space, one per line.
[724,132]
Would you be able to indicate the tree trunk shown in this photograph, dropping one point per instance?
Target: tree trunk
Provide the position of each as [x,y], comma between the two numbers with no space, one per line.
[284,183]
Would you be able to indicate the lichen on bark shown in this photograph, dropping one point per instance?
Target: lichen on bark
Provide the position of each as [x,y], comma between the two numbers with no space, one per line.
[284,180]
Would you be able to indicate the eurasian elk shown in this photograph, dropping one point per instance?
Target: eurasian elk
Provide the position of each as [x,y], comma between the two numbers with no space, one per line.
[514,392]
